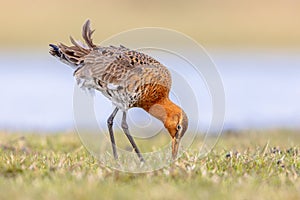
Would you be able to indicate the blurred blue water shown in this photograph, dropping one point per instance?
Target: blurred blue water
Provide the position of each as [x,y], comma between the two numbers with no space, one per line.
[262,90]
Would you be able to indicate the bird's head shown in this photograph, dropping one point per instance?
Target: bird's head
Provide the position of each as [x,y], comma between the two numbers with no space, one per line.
[175,121]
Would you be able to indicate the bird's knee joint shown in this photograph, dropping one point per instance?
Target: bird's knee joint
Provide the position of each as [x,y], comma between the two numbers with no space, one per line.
[109,122]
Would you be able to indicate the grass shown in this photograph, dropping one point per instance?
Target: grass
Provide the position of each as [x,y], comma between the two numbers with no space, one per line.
[247,165]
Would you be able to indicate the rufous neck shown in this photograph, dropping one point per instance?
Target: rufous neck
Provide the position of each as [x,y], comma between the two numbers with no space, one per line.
[163,109]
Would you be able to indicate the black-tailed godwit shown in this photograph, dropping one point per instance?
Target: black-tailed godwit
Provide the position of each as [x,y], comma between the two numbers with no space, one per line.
[128,79]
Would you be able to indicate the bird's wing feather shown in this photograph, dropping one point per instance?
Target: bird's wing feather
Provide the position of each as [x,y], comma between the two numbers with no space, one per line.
[116,67]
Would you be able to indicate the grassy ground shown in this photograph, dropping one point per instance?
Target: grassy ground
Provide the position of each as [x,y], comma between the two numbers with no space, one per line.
[249,165]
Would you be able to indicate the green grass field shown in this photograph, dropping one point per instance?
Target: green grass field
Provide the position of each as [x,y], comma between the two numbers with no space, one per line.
[248,165]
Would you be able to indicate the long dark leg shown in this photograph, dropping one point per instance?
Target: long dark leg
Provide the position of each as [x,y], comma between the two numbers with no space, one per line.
[130,138]
[110,122]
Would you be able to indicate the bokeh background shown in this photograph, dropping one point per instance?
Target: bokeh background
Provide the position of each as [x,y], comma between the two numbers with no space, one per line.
[254,44]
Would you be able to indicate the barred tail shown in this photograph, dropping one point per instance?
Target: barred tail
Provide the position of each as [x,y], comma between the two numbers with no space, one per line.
[74,55]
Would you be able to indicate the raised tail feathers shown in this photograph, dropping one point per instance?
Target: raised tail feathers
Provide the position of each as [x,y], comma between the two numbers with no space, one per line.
[74,55]
[87,34]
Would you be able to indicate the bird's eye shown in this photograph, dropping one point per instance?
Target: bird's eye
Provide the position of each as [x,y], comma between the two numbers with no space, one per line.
[178,127]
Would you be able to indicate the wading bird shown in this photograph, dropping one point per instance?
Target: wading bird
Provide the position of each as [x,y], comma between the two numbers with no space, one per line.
[128,79]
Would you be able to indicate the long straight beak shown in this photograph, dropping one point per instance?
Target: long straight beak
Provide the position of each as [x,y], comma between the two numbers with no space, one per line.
[175,145]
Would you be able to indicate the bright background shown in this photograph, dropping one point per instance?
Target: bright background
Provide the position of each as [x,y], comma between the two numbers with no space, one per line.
[255,46]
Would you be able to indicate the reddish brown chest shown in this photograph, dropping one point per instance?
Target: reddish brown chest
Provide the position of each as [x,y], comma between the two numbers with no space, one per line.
[151,94]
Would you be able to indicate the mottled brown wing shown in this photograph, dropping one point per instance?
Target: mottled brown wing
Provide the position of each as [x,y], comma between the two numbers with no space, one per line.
[113,65]
[128,75]
[104,66]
